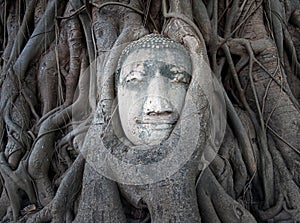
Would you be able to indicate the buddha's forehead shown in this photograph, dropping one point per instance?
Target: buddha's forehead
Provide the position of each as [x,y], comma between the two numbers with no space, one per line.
[173,57]
[153,49]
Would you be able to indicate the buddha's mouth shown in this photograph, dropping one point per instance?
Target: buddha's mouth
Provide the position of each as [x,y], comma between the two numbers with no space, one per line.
[158,126]
[157,123]
[158,120]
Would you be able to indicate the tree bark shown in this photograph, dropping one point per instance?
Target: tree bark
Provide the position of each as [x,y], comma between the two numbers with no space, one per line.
[55,57]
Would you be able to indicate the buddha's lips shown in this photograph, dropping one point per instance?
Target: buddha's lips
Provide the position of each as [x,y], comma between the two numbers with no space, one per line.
[158,126]
[170,119]
[157,121]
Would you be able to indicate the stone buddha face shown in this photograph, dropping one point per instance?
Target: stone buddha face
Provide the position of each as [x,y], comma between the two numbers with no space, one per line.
[154,75]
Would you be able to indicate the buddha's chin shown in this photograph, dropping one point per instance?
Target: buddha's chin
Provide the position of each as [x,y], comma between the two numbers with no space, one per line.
[155,137]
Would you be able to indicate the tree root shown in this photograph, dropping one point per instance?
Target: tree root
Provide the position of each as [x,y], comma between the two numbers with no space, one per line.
[11,29]
[233,154]
[221,204]
[276,15]
[295,18]
[20,37]
[286,182]
[260,130]
[15,181]
[75,49]
[38,43]
[41,154]
[272,212]
[244,142]
[202,19]
[56,211]
[48,81]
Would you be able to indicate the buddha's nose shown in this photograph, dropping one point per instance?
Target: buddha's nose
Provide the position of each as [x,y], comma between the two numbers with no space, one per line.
[157,105]
[157,102]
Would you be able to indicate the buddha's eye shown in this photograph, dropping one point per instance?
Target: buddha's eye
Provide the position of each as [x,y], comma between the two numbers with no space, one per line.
[181,78]
[134,77]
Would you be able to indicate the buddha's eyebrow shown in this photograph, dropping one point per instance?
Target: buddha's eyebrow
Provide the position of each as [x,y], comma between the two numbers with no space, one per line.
[134,69]
[174,70]
[131,73]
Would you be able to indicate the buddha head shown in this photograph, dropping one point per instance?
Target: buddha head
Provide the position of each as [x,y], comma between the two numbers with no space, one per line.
[152,79]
